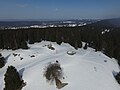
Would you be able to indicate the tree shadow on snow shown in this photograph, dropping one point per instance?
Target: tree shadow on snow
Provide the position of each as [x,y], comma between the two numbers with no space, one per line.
[21,71]
[6,58]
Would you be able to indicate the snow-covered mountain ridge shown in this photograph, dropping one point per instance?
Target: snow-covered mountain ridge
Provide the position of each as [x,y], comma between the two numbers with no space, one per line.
[85,70]
[43,24]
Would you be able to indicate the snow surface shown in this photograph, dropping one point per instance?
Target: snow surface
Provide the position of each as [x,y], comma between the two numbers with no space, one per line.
[105,31]
[85,70]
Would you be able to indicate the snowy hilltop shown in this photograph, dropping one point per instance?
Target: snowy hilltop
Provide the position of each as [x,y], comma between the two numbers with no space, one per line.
[82,69]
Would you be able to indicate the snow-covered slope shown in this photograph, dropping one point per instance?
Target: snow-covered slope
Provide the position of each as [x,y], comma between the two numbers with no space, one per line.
[85,70]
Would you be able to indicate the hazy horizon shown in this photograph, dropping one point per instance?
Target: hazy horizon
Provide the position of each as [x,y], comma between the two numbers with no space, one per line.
[45,19]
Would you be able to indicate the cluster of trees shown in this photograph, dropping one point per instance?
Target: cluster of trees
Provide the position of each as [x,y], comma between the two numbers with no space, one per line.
[59,35]
[13,81]
[15,39]
[11,39]
[108,42]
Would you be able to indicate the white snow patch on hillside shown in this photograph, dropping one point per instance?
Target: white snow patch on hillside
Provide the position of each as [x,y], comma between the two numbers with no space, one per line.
[105,31]
[85,70]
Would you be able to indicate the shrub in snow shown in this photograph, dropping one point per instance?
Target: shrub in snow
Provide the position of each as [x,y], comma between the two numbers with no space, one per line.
[21,58]
[13,81]
[53,72]
[117,77]
[2,61]
[32,56]
[71,52]
[15,54]
[50,47]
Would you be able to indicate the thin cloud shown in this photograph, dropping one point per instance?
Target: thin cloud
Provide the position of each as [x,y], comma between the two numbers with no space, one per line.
[21,5]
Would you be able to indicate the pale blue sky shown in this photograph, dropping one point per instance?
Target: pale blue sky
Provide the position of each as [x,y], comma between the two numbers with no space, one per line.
[59,9]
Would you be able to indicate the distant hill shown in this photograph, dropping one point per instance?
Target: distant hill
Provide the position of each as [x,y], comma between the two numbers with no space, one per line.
[56,22]
[115,22]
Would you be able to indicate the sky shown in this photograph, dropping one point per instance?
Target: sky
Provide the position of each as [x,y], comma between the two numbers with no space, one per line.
[59,9]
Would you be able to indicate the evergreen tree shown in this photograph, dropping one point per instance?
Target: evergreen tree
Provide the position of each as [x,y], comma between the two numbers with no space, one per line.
[13,80]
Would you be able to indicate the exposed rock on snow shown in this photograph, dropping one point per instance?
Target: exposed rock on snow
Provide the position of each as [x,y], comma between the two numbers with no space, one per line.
[71,52]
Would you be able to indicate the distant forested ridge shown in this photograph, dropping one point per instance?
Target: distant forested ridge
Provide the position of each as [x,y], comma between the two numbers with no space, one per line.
[100,37]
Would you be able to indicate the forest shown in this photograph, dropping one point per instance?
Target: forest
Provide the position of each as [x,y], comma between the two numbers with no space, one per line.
[94,35]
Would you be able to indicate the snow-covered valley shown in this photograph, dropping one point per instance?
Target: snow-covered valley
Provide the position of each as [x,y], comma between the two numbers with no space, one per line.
[85,70]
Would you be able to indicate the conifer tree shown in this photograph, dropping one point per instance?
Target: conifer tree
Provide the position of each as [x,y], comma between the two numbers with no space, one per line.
[13,80]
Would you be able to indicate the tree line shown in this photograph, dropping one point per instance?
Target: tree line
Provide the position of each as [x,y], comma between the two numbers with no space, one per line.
[108,43]
[15,39]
